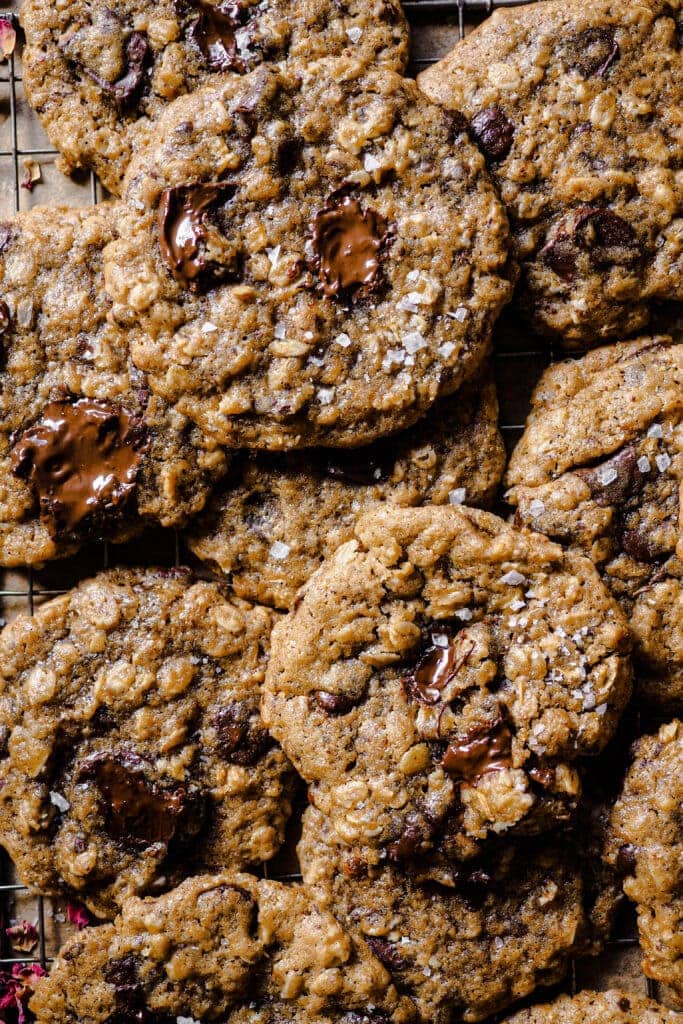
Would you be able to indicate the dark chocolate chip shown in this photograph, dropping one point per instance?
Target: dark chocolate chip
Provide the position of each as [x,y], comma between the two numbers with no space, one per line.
[641,546]
[334,703]
[187,235]
[348,245]
[407,844]
[624,1004]
[482,749]
[213,34]
[626,860]
[560,255]
[606,236]
[474,885]
[4,317]
[81,460]
[443,658]
[137,810]
[126,90]
[543,777]
[593,51]
[241,740]
[616,479]
[387,952]
[494,132]
[4,741]
[123,974]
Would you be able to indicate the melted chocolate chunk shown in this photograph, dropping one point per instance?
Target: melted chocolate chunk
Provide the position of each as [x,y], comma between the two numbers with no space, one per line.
[4,317]
[641,547]
[626,860]
[4,741]
[126,90]
[624,1004]
[608,238]
[334,703]
[213,34]
[543,777]
[187,236]
[387,952]
[348,243]
[136,810]
[482,749]
[81,459]
[494,132]
[124,975]
[241,740]
[615,480]
[407,844]
[436,667]
[593,51]
[560,255]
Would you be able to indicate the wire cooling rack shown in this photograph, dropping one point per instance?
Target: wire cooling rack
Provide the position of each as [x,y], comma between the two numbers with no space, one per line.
[520,359]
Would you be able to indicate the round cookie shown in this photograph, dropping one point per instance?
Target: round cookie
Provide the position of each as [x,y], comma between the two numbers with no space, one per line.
[229,948]
[98,75]
[279,516]
[86,452]
[647,847]
[510,922]
[610,1007]
[599,469]
[308,256]
[437,679]
[577,106]
[132,748]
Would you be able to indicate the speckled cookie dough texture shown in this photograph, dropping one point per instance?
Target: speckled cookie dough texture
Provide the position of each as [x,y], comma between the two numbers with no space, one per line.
[86,451]
[577,106]
[437,678]
[610,1007]
[133,752]
[98,74]
[599,468]
[508,924]
[229,948]
[647,848]
[308,257]
[280,515]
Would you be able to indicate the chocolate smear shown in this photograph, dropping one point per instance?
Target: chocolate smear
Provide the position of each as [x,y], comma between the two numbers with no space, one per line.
[213,33]
[494,132]
[348,243]
[81,460]
[241,740]
[444,657]
[126,90]
[190,244]
[482,749]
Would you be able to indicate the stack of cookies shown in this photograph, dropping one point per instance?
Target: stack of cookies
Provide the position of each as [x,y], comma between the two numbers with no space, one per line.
[276,338]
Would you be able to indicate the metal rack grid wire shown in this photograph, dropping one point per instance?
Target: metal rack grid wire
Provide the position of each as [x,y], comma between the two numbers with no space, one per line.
[518,366]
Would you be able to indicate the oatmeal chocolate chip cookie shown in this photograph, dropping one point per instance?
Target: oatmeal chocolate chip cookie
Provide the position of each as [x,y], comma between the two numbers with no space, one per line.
[599,469]
[309,256]
[98,74]
[86,452]
[132,751]
[228,948]
[280,515]
[610,1007]
[647,848]
[577,106]
[437,679]
[508,923]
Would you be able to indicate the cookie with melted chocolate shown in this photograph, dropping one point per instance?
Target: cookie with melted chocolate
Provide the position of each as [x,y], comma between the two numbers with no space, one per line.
[610,1007]
[474,664]
[228,948]
[599,469]
[279,515]
[86,451]
[308,256]
[647,849]
[575,105]
[98,74]
[135,752]
[504,925]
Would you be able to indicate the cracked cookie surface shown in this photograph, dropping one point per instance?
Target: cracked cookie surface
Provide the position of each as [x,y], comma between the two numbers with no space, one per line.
[577,106]
[228,948]
[609,1007]
[599,469]
[132,747]
[280,515]
[437,679]
[308,256]
[86,451]
[647,848]
[510,921]
[99,74]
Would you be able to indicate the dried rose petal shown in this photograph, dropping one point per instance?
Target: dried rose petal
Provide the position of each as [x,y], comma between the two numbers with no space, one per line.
[8,38]
[23,936]
[32,175]
[16,988]
[78,915]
